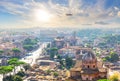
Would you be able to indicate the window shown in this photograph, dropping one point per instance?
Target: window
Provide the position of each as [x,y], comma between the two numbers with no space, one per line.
[91,78]
[93,66]
[86,78]
[88,66]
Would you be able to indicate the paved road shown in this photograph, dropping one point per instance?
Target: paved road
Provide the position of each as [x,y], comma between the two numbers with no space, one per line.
[34,55]
[31,59]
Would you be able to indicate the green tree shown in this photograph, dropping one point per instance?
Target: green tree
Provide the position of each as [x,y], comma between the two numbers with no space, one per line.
[15,62]
[5,69]
[61,62]
[69,62]
[48,71]
[59,57]
[115,76]
[30,44]
[26,67]
[48,45]
[17,78]
[103,80]
[21,73]
[16,52]
[29,41]
[8,78]
[97,54]
[28,47]
[107,58]
[1,52]
[62,65]
[112,53]
[55,74]
[53,52]
[113,57]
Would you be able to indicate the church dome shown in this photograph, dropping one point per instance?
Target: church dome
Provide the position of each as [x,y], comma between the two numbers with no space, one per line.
[88,57]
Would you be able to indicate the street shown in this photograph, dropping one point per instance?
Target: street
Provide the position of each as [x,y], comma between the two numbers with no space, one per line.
[31,59]
[34,55]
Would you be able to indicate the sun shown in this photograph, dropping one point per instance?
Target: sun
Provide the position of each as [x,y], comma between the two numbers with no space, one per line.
[42,15]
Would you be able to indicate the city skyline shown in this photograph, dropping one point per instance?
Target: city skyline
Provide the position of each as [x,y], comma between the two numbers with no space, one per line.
[52,13]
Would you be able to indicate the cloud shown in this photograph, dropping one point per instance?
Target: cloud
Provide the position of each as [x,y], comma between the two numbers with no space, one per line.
[116,8]
[87,24]
[101,23]
[118,13]
[84,11]
[12,8]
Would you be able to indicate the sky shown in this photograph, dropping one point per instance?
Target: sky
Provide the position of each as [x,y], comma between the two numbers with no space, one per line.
[53,13]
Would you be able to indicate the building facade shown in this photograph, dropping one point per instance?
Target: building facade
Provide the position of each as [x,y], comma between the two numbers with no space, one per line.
[88,69]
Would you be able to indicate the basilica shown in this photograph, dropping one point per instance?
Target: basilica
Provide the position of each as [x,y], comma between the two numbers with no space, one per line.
[88,68]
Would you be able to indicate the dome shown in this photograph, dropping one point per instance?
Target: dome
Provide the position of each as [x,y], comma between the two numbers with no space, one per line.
[89,56]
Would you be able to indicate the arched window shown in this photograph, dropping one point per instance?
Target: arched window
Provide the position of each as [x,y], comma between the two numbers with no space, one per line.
[86,78]
[93,66]
[88,66]
[91,78]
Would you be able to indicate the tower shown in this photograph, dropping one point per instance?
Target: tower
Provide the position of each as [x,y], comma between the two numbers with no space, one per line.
[89,61]
[87,69]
